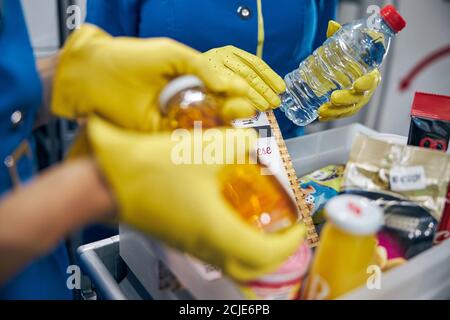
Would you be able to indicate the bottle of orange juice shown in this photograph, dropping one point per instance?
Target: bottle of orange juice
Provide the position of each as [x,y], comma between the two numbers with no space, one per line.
[347,247]
[260,199]
[185,101]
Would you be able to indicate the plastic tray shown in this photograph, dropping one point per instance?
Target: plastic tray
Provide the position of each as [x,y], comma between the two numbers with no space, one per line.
[143,254]
[321,149]
[110,278]
[425,277]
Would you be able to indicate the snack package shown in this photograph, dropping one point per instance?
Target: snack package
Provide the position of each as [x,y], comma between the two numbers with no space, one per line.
[430,121]
[319,187]
[430,128]
[410,184]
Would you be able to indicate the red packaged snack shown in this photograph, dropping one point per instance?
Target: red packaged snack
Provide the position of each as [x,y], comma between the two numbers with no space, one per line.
[430,121]
[430,128]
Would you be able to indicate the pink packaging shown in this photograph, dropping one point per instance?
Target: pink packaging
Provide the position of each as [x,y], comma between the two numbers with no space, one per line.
[285,283]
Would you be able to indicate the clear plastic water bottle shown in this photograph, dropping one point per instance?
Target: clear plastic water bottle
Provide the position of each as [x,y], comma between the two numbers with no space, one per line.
[356,49]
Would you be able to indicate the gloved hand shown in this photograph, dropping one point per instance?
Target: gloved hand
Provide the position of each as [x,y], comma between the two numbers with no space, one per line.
[183,204]
[346,103]
[266,85]
[120,79]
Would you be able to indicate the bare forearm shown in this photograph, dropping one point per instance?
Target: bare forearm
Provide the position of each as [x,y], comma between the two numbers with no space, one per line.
[33,219]
[46,68]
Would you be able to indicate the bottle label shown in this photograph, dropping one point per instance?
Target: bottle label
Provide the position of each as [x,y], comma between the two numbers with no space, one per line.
[407,178]
[267,149]
[268,154]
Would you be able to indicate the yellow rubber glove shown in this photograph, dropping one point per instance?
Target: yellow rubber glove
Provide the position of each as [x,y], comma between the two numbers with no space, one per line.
[346,103]
[266,85]
[183,204]
[120,79]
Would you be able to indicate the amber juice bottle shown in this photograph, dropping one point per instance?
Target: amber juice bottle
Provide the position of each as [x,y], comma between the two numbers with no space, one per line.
[260,199]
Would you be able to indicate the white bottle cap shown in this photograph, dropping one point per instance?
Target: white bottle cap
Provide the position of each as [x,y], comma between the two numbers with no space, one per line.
[354,214]
[175,86]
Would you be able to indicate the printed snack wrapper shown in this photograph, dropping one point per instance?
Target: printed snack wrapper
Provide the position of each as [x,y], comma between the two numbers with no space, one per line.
[319,187]
[430,121]
[412,173]
[409,183]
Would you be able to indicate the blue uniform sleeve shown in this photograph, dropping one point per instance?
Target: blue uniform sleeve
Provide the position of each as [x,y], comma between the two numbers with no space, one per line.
[326,11]
[117,17]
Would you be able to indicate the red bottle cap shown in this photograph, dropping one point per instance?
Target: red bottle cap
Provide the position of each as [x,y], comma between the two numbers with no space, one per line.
[393,18]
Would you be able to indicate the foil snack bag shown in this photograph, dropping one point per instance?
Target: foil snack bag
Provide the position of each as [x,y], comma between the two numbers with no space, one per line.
[409,183]
[430,128]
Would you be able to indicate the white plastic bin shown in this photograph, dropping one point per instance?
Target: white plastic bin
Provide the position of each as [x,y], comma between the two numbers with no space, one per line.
[426,276]
[321,149]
